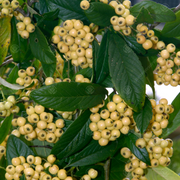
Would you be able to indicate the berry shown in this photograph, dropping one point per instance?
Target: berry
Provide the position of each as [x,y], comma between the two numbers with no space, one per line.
[84,4]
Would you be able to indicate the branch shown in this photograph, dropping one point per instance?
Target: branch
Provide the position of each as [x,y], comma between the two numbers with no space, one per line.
[30,3]
[106,169]
[47,146]
[20,10]
[177,8]
[6,62]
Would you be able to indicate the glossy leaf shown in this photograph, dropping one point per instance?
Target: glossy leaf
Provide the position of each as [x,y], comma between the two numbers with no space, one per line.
[172,29]
[41,50]
[161,173]
[76,136]
[18,46]
[144,16]
[2,174]
[5,36]
[127,72]
[94,153]
[67,96]
[174,118]
[101,62]
[23,177]
[68,9]
[153,61]
[87,73]
[16,148]
[42,6]
[132,43]
[143,117]
[159,12]
[117,170]
[13,75]
[107,82]
[100,13]
[148,72]
[5,127]
[142,154]
[3,162]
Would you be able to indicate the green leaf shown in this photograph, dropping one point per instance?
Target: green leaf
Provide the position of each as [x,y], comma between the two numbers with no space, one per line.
[144,16]
[49,69]
[107,82]
[134,45]
[153,61]
[3,162]
[87,73]
[100,13]
[148,72]
[159,12]
[172,29]
[41,50]
[5,127]
[117,169]
[68,70]
[127,72]
[143,117]
[68,9]
[67,96]
[174,118]
[142,154]
[13,75]
[42,6]
[18,46]
[161,173]
[76,136]
[23,177]
[5,36]
[2,174]
[101,62]
[16,148]
[94,153]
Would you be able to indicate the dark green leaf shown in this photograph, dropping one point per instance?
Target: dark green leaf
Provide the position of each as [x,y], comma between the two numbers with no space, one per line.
[13,75]
[41,50]
[143,117]
[142,154]
[144,16]
[117,170]
[94,153]
[172,29]
[101,62]
[23,177]
[159,12]
[49,69]
[68,70]
[133,44]
[100,13]
[148,72]
[3,162]
[127,72]
[74,138]
[68,9]
[2,174]
[16,148]
[153,61]
[84,170]
[5,127]
[107,82]
[174,118]
[67,96]
[18,46]
[42,6]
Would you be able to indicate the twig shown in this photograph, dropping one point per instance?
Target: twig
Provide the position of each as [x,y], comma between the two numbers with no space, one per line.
[106,169]
[30,3]
[6,62]
[20,10]
[47,146]
[177,8]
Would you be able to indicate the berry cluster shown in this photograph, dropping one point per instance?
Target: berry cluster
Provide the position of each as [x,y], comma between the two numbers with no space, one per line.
[168,71]
[124,19]
[111,122]
[147,38]
[160,151]
[59,65]
[81,79]
[24,27]
[25,77]
[3,147]
[92,174]
[160,116]
[7,7]
[8,106]
[73,39]
[39,124]
[34,168]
